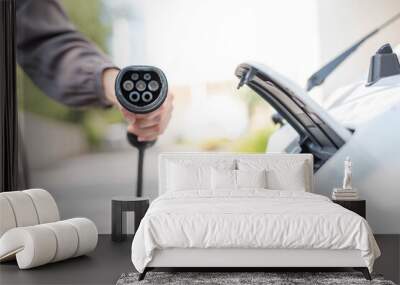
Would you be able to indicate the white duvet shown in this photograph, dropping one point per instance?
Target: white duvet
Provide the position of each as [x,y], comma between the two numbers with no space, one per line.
[250,219]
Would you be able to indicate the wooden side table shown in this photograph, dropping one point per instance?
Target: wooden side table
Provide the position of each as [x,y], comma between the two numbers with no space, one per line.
[119,206]
[357,206]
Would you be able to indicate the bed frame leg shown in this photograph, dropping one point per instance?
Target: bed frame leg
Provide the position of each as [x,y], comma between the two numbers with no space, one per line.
[364,271]
[143,274]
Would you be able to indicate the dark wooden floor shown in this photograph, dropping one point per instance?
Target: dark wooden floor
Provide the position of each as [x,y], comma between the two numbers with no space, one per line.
[389,262]
[110,260]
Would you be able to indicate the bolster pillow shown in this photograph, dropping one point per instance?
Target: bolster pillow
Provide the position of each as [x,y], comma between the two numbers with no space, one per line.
[40,244]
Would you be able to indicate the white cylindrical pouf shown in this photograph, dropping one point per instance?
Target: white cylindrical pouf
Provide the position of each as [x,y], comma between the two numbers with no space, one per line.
[31,232]
[7,218]
[33,246]
[67,240]
[87,234]
[45,205]
[23,208]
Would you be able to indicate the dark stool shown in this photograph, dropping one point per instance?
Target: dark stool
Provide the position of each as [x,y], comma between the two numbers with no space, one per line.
[122,204]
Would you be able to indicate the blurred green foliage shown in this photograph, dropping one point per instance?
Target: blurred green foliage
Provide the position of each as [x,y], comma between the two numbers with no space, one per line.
[215,144]
[251,142]
[251,98]
[255,141]
[87,17]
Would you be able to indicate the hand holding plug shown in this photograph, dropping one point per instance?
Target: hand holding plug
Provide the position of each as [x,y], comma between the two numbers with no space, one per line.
[141,93]
[146,126]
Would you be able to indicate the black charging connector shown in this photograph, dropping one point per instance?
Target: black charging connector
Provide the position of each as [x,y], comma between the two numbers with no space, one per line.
[141,89]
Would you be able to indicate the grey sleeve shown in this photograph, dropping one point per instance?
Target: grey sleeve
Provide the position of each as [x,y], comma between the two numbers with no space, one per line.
[59,60]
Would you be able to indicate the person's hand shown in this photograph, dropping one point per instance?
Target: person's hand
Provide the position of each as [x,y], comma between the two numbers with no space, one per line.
[147,127]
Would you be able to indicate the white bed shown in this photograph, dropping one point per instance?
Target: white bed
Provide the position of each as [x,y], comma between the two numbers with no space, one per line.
[194,223]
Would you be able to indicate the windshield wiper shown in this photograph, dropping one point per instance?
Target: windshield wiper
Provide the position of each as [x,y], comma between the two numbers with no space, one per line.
[319,77]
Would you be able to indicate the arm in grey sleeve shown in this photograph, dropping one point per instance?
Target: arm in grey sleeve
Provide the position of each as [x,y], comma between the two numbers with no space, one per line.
[59,60]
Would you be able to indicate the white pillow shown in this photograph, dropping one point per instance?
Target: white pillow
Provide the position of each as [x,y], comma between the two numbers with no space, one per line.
[188,177]
[223,179]
[282,174]
[292,178]
[251,178]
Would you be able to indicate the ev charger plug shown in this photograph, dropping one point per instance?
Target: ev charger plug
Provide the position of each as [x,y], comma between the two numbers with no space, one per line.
[141,89]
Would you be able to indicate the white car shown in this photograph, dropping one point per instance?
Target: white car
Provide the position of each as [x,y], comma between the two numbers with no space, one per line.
[359,121]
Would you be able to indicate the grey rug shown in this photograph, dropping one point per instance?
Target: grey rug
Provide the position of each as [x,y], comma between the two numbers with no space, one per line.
[268,278]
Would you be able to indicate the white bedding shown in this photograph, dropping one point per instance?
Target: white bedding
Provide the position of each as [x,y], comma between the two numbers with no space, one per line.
[251,218]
